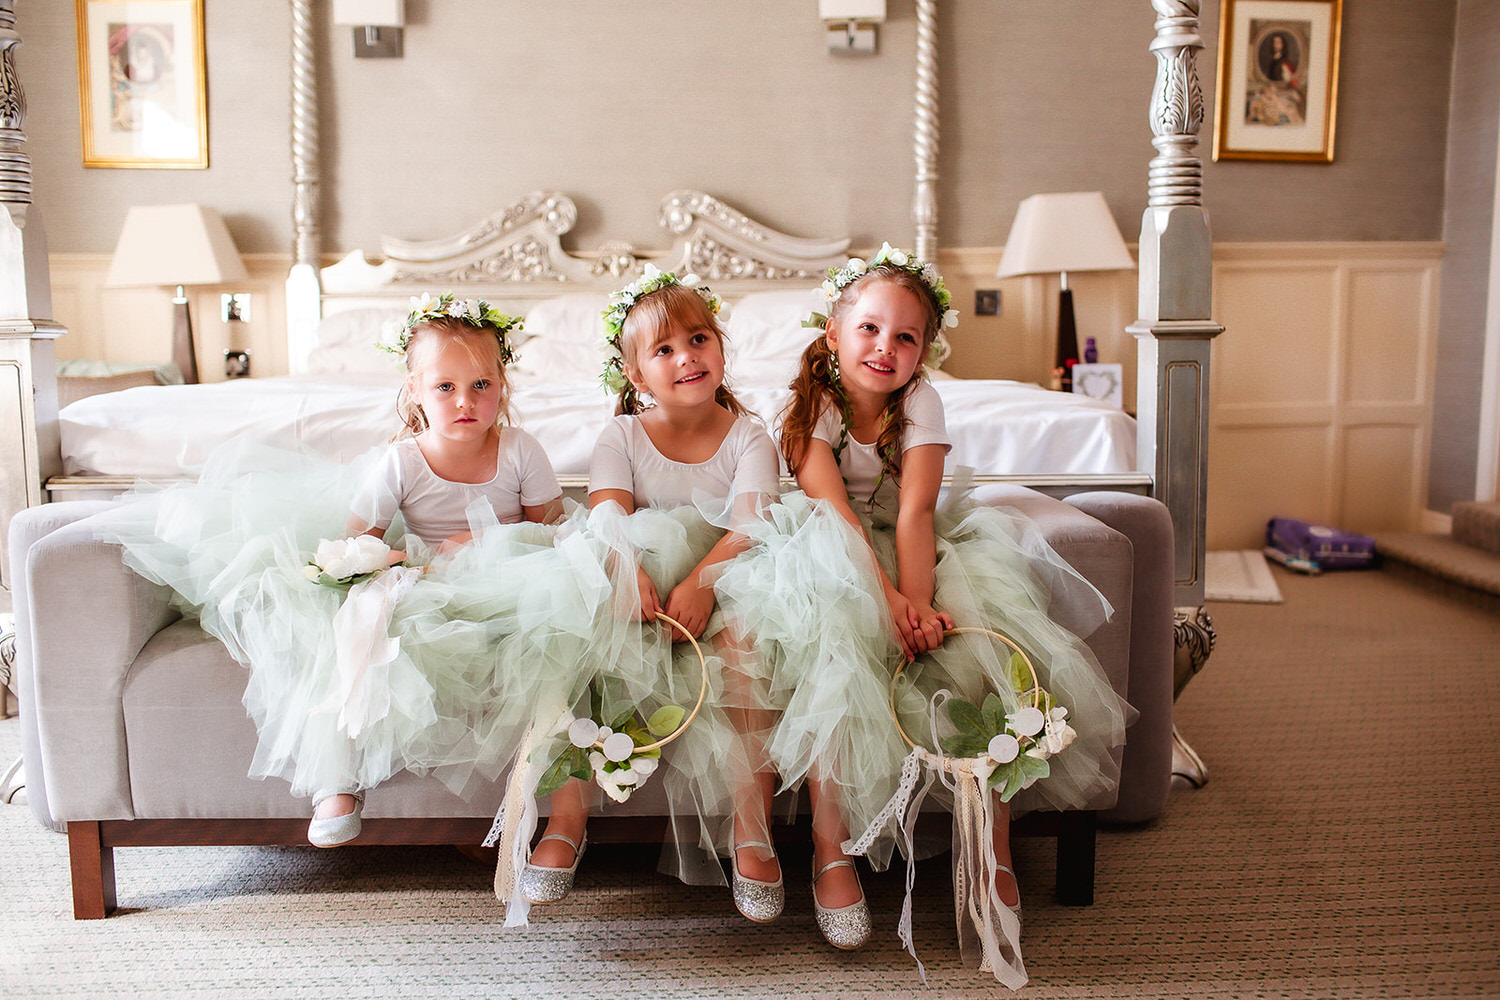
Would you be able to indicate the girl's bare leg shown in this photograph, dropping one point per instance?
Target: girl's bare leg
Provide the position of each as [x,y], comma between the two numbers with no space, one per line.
[752,817]
[570,814]
[1006,884]
[838,886]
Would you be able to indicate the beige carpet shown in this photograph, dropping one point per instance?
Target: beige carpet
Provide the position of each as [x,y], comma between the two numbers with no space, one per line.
[1345,846]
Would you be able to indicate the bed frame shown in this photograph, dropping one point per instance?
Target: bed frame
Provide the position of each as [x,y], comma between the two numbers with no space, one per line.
[517,254]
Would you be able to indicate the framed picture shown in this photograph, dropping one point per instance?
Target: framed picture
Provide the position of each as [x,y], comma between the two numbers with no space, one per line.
[1278,80]
[142,93]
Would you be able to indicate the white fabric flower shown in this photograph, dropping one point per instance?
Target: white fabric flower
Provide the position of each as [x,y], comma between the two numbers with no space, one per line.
[343,557]
[312,573]
[644,767]
[616,784]
[1004,748]
[618,747]
[897,257]
[583,732]
[690,281]
[950,318]
[648,273]
[1026,721]
[1058,736]
[830,290]
[855,266]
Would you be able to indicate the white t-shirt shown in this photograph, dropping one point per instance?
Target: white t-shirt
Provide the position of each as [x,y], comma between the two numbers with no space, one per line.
[625,459]
[435,509]
[860,463]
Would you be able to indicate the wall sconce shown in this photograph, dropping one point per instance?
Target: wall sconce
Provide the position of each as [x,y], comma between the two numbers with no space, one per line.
[850,24]
[377,26]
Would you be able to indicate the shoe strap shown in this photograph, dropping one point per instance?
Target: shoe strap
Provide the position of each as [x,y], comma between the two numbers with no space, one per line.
[564,838]
[832,865]
[321,797]
[754,843]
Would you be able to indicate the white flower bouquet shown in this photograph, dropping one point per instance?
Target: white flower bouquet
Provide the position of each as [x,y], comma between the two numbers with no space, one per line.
[340,561]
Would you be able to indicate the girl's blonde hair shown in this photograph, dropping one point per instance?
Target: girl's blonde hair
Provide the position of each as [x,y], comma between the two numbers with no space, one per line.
[816,385]
[482,343]
[670,305]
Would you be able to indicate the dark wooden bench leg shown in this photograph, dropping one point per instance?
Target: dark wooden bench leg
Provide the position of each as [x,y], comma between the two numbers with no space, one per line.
[1075,858]
[93,866]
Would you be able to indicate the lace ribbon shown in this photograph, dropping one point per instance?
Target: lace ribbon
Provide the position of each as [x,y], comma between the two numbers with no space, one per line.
[515,822]
[989,932]
[364,649]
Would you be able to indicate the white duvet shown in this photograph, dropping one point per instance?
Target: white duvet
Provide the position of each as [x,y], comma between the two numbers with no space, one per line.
[163,432]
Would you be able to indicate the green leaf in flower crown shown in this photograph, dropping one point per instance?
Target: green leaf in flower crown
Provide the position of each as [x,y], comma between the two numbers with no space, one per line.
[966,717]
[1020,673]
[816,321]
[665,720]
[965,745]
[993,711]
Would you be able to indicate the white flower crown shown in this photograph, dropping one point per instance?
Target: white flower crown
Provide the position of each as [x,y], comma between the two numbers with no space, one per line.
[396,337]
[622,301]
[840,278]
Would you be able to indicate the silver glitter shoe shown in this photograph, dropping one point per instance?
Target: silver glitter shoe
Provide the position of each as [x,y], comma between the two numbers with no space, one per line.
[335,830]
[846,927]
[548,885]
[758,900]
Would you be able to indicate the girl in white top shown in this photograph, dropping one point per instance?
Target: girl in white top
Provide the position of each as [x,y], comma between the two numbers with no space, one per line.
[357,671]
[864,436]
[675,478]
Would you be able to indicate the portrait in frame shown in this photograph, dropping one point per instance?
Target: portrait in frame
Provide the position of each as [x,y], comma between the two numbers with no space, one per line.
[142,86]
[1278,80]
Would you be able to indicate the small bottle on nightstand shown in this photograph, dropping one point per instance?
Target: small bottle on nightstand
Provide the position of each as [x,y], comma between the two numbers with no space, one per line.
[1090,352]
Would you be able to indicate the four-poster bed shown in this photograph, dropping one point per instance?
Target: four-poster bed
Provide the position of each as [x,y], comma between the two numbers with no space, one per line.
[111,799]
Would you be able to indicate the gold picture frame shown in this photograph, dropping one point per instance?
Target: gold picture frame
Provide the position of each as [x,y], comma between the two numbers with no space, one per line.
[1278,80]
[142,83]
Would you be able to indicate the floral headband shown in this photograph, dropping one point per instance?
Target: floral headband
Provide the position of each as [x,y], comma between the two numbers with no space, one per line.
[475,312]
[621,302]
[840,278]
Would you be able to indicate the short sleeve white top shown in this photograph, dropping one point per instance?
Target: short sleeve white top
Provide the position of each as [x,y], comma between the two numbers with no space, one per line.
[436,509]
[625,459]
[860,463]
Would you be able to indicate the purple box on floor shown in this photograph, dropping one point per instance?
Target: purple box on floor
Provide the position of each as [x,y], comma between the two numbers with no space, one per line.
[1327,547]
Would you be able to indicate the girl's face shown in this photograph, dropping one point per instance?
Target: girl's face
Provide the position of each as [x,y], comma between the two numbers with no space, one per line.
[459,386]
[879,339]
[683,366]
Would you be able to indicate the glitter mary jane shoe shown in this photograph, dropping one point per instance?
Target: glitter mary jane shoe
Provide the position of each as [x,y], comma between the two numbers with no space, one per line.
[845,927]
[758,900]
[548,885]
[335,830]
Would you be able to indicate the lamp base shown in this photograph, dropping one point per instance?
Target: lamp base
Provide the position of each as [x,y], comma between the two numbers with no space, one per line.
[183,354]
[1067,339]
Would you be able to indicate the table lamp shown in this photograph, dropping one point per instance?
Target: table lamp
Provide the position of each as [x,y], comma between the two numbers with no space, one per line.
[175,245]
[1058,233]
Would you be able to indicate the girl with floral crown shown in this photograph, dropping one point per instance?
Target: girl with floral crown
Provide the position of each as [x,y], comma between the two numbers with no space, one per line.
[425,637]
[891,570]
[675,480]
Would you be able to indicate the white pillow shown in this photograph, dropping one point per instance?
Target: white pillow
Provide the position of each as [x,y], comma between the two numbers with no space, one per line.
[346,344]
[564,338]
[766,335]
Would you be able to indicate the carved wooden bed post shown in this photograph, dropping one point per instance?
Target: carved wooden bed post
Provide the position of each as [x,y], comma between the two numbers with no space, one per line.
[28,366]
[1174,331]
[302,292]
[924,207]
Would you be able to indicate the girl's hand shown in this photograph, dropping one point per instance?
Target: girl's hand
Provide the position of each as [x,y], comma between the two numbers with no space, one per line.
[930,625]
[650,603]
[691,604]
[903,614]
[453,543]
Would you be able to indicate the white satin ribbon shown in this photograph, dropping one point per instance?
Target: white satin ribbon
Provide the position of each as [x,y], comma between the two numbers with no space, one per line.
[364,649]
[989,932]
[515,822]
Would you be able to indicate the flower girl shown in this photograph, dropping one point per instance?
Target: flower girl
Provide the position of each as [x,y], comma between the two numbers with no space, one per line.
[894,570]
[673,482]
[357,670]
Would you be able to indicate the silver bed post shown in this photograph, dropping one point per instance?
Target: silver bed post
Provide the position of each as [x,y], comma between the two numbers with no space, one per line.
[1174,331]
[924,207]
[28,365]
[303,296]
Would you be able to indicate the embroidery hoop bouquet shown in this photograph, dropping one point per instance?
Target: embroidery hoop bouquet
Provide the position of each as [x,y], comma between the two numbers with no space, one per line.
[981,748]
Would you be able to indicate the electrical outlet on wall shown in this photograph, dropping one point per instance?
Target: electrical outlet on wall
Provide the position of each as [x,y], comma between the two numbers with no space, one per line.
[987,302]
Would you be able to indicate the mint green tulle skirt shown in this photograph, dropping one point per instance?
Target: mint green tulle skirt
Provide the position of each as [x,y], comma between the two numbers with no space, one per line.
[483,639]
[809,595]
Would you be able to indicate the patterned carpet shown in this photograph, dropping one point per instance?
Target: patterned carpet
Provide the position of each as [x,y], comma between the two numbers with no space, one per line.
[1345,847]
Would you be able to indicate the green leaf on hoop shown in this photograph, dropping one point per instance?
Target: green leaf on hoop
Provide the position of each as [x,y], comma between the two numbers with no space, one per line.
[665,720]
[993,711]
[1021,679]
[966,717]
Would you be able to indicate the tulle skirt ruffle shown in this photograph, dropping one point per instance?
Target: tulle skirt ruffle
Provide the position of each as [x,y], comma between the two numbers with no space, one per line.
[809,593]
[484,637]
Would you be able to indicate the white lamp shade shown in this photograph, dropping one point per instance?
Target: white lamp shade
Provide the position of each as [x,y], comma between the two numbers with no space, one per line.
[379,13]
[851,10]
[1054,233]
[174,245]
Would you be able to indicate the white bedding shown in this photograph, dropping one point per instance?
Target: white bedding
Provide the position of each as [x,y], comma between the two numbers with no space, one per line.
[998,427]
